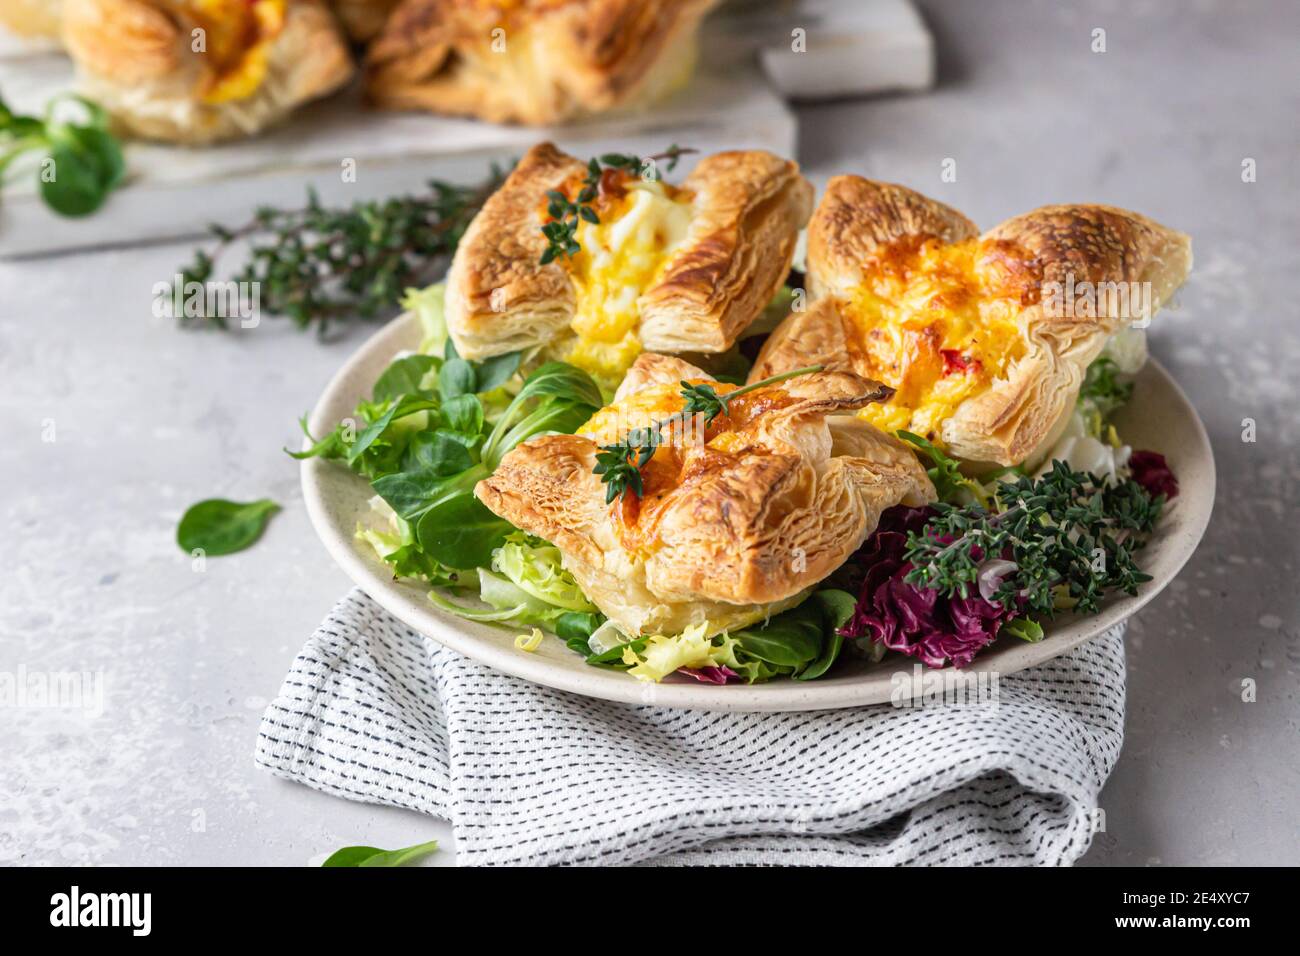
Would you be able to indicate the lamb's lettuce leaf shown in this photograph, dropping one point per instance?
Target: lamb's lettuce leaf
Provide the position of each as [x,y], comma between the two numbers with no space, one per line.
[436,425]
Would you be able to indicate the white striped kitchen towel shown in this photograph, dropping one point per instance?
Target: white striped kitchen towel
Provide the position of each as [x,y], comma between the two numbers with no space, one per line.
[372,711]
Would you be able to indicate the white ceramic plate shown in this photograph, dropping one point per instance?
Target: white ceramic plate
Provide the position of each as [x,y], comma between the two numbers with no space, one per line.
[1159,418]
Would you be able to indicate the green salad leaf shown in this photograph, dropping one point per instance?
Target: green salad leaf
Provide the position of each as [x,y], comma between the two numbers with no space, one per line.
[457,377]
[949,483]
[493,373]
[803,641]
[1025,628]
[836,608]
[429,307]
[218,526]
[82,161]
[464,416]
[1102,394]
[404,377]
[528,585]
[373,856]
[575,629]
[436,425]
[536,566]
[398,409]
[460,532]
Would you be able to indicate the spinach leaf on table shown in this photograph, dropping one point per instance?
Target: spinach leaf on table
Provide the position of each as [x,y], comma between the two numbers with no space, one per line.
[218,526]
[82,161]
[373,856]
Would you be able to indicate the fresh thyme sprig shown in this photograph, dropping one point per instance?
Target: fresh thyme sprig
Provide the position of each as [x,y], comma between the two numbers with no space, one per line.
[318,265]
[619,465]
[561,229]
[1072,537]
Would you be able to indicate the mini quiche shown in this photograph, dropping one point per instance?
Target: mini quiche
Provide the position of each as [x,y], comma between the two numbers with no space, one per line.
[666,268]
[198,71]
[736,520]
[532,61]
[985,339]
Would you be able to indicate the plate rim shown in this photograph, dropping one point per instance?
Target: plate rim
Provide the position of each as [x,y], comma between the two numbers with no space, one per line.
[607,685]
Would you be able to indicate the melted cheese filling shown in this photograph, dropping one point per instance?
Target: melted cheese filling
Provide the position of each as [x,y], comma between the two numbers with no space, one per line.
[927,328]
[237,37]
[621,257]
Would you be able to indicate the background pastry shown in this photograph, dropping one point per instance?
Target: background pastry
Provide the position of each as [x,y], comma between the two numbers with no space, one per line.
[31,18]
[666,268]
[533,61]
[196,71]
[985,338]
[774,496]
[363,19]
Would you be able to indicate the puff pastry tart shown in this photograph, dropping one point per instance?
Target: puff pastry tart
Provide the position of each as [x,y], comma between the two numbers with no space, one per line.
[197,71]
[666,269]
[732,525]
[984,338]
[533,61]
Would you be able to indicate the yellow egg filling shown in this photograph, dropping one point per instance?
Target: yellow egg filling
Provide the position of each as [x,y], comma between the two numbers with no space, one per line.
[926,327]
[621,257]
[237,37]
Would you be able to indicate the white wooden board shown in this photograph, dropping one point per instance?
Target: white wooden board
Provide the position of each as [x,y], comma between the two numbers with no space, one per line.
[817,49]
[175,192]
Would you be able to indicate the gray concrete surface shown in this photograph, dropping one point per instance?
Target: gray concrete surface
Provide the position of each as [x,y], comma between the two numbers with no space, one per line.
[115,422]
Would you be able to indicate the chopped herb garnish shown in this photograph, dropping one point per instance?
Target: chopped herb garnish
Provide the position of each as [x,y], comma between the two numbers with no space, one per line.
[619,465]
[1072,537]
[561,229]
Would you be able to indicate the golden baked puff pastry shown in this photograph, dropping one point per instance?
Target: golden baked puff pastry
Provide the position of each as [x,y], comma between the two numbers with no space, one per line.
[736,524]
[197,71]
[667,268]
[533,61]
[31,18]
[984,338]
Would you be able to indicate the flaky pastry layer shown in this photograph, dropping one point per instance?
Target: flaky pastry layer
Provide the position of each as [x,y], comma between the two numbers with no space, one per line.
[1025,308]
[258,62]
[532,61]
[735,522]
[745,210]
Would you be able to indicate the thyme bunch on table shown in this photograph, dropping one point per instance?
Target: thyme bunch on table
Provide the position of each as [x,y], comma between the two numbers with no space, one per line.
[319,265]
[1068,538]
